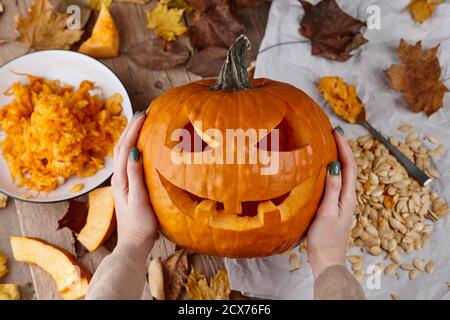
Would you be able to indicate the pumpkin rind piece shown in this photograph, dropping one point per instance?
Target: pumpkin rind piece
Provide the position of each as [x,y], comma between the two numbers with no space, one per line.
[104,41]
[101,220]
[60,264]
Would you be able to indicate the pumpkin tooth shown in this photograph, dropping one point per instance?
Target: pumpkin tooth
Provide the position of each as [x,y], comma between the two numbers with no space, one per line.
[206,205]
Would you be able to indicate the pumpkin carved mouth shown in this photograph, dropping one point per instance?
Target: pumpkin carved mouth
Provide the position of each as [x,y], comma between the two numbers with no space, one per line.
[280,208]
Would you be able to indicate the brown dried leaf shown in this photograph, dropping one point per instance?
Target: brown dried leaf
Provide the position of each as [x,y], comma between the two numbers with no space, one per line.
[85,10]
[417,78]
[44,29]
[214,24]
[243,4]
[111,243]
[207,62]
[76,216]
[158,54]
[333,33]
[175,274]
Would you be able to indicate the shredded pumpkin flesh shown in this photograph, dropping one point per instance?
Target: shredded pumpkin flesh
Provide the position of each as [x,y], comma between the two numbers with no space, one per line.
[342,98]
[54,132]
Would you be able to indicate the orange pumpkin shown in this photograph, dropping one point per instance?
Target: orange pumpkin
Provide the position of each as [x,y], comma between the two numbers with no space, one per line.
[233,208]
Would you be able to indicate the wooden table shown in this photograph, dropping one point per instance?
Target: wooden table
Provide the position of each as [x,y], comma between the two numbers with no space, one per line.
[40,220]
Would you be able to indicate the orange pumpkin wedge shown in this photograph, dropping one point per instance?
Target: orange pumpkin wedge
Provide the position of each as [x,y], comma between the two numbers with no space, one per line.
[71,279]
[104,41]
[101,221]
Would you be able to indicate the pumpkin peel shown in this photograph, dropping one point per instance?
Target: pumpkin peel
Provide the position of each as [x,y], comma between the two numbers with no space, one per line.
[104,41]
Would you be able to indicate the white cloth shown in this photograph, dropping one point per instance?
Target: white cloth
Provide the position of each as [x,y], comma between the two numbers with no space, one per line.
[292,63]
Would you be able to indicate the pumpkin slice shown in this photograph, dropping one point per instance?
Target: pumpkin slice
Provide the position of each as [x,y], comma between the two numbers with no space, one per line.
[101,221]
[104,41]
[77,292]
[60,264]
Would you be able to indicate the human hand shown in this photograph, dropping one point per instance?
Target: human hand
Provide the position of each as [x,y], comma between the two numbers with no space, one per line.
[328,235]
[136,222]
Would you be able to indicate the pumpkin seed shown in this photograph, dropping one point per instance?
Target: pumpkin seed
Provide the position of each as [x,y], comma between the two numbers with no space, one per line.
[418,264]
[375,251]
[413,274]
[405,128]
[429,267]
[390,269]
[432,139]
[407,267]
[354,259]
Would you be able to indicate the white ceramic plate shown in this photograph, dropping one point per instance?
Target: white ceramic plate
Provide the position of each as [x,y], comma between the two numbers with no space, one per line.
[71,68]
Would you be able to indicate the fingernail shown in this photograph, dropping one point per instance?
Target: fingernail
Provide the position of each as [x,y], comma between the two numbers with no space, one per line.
[135,154]
[340,130]
[138,114]
[334,168]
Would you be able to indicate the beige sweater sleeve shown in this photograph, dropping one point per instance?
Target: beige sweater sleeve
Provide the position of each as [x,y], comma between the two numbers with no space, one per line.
[120,276]
[337,283]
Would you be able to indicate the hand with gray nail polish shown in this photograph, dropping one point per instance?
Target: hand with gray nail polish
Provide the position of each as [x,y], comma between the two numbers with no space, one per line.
[328,235]
[136,222]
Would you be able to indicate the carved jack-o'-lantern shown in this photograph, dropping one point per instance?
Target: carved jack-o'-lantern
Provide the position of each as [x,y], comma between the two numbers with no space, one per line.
[212,203]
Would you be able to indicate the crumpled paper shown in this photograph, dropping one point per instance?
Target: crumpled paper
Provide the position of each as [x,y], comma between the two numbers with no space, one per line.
[292,63]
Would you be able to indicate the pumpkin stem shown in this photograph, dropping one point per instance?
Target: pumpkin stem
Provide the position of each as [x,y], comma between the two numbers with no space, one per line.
[233,75]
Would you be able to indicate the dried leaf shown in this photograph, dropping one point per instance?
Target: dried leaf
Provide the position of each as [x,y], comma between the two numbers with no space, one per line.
[295,262]
[111,243]
[179,4]
[417,78]
[97,4]
[214,24]
[333,33]
[422,10]
[133,1]
[85,11]
[3,199]
[44,29]
[3,268]
[155,278]
[76,216]
[158,54]
[207,62]
[167,22]
[198,289]
[243,4]
[175,273]
[9,292]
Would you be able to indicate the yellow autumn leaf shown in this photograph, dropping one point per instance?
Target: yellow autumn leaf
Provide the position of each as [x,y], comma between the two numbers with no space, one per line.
[341,97]
[422,10]
[198,289]
[97,4]
[3,268]
[44,29]
[167,22]
[9,292]
[3,198]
